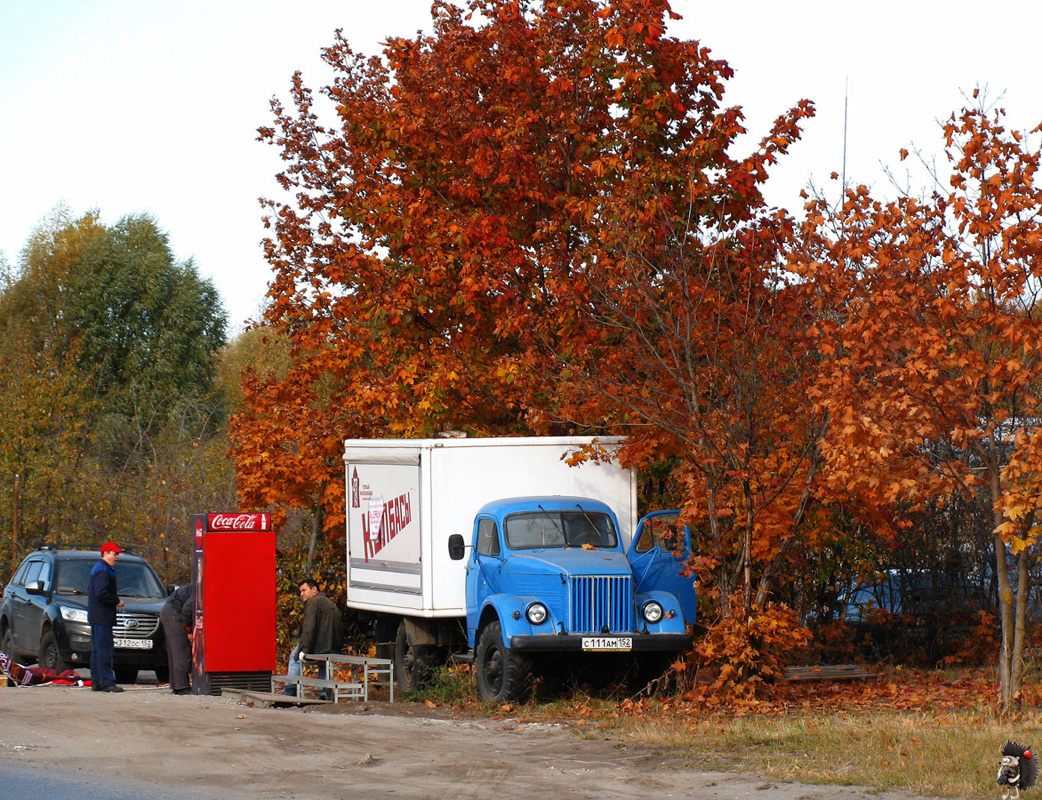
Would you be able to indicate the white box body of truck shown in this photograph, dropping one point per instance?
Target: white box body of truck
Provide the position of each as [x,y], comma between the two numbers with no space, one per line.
[405,497]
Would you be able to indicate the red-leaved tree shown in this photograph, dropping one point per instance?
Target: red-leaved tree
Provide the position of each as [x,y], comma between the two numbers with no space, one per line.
[930,325]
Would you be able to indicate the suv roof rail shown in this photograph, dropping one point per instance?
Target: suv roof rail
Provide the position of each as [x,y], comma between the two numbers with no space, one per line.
[75,546]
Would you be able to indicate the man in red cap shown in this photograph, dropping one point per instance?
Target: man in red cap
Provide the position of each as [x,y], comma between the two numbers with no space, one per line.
[102,602]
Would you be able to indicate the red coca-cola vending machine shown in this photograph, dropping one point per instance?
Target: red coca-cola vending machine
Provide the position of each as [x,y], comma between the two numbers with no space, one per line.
[233,569]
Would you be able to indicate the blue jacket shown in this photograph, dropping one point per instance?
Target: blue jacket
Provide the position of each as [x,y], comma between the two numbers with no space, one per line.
[102,598]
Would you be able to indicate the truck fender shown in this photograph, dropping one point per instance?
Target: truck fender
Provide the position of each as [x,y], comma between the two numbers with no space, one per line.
[672,620]
[420,631]
[510,610]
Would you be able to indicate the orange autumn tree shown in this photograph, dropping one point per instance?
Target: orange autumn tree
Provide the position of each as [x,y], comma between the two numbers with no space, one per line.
[931,325]
[695,345]
[432,258]
[704,351]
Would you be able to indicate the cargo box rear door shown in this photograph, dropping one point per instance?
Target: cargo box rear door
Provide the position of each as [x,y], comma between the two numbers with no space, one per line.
[383,531]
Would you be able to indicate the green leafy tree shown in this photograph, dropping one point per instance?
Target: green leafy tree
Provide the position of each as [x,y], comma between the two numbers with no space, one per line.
[147,329]
[109,352]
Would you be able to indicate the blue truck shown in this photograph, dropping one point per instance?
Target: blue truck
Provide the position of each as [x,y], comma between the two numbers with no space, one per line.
[501,552]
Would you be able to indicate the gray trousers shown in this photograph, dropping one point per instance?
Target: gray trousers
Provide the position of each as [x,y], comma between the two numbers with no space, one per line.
[178,650]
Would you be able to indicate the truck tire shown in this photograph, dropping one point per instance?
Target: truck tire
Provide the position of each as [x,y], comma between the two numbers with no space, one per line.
[50,656]
[503,675]
[412,663]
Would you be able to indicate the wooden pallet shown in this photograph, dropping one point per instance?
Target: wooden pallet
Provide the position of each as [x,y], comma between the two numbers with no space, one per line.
[269,699]
[830,672]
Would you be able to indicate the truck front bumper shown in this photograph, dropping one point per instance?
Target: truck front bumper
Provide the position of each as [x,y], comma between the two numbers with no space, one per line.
[573,642]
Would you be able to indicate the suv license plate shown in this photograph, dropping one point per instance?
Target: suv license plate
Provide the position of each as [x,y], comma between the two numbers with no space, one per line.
[133,644]
[603,643]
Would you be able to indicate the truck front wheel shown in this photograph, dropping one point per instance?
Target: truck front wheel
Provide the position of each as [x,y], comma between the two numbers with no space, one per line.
[503,675]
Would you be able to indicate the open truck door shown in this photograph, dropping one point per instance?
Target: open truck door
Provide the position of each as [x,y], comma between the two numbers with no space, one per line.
[658,552]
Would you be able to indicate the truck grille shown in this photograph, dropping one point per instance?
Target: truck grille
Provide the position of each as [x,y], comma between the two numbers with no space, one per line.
[130,625]
[600,603]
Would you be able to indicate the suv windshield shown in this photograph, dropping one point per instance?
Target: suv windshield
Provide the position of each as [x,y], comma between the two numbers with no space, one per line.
[529,530]
[134,578]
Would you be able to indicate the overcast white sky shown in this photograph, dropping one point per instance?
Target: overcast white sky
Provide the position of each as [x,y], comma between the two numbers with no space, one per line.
[133,106]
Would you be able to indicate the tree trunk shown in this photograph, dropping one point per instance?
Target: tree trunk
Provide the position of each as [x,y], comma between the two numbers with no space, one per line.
[747,551]
[723,581]
[15,521]
[1006,619]
[1012,612]
[1016,681]
[316,527]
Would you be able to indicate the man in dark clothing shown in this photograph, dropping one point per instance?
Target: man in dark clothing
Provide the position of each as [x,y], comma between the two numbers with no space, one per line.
[322,630]
[102,602]
[323,627]
[177,618]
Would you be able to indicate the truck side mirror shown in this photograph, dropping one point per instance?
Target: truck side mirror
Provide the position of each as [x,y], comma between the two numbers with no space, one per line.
[457,549]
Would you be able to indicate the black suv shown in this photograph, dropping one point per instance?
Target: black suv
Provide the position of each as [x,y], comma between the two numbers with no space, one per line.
[43,613]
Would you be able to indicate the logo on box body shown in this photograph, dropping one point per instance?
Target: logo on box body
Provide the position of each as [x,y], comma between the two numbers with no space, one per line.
[383,521]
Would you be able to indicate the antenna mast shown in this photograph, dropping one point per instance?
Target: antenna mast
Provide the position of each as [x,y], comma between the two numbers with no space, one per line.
[846,96]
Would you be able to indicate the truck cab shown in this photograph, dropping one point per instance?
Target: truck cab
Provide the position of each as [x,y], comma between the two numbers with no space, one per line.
[549,582]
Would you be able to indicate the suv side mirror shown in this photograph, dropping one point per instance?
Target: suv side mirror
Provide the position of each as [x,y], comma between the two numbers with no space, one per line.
[457,549]
[35,587]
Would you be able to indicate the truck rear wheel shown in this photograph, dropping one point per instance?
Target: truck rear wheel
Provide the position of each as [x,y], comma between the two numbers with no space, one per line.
[412,662]
[503,675]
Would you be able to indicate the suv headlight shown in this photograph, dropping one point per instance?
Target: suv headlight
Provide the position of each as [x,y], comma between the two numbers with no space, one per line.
[651,611]
[536,613]
[73,614]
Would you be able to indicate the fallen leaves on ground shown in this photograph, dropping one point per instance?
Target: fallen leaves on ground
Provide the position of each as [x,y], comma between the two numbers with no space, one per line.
[900,689]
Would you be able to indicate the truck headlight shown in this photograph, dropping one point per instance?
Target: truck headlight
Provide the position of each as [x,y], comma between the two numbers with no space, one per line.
[651,611]
[73,614]
[536,613]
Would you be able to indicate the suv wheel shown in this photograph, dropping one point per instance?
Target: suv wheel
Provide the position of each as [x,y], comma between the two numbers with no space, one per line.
[50,655]
[7,646]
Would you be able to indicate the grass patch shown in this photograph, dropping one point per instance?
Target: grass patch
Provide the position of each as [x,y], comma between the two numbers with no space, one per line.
[930,733]
[951,754]
[450,686]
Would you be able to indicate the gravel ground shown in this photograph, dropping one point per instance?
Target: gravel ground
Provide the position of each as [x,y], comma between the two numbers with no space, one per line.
[220,748]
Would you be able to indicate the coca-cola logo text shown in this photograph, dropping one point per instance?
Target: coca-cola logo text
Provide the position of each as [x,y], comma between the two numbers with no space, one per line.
[239,522]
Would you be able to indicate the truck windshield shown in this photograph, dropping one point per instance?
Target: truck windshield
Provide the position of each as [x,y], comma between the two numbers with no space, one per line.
[529,530]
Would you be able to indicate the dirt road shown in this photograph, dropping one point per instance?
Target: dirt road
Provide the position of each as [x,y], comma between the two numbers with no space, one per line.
[218,748]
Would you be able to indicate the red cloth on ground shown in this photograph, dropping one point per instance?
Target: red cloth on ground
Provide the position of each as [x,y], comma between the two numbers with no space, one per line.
[29,676]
